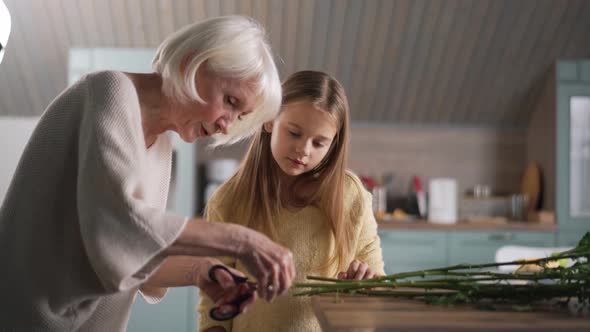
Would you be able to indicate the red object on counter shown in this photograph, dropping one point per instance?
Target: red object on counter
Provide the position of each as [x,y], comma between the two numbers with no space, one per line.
[368,182]
[420,196]
[417,184]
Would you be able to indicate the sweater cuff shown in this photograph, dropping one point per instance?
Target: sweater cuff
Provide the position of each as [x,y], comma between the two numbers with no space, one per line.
[144,262]
[152,295]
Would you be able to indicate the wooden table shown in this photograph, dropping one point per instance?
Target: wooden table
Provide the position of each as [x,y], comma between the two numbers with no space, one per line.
[359,313]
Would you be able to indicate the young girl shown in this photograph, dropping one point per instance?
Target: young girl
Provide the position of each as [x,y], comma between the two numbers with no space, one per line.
[293,186]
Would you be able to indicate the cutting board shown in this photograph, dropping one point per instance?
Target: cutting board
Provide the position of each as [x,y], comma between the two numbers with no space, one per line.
[361,313]
[532,186]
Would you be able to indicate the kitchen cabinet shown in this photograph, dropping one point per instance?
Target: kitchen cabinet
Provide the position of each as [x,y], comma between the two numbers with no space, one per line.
[176,313]
[573,145]
[413,250]
[480,247]
[568,238]
[559,139]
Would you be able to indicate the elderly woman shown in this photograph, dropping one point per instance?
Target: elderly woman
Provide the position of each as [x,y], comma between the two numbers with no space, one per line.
[83,226]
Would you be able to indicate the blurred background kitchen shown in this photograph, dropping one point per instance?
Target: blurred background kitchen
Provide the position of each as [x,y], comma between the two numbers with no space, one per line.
[471,119]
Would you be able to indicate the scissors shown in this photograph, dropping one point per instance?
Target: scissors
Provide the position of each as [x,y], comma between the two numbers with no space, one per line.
[215,313]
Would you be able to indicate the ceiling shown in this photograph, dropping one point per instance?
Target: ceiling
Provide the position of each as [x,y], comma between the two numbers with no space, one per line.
[459,62]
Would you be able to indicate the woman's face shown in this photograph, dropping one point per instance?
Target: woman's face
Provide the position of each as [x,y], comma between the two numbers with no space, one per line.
[227,100]
[301,137]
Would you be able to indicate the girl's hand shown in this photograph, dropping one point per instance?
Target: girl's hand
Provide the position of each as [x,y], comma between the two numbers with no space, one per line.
[357,270]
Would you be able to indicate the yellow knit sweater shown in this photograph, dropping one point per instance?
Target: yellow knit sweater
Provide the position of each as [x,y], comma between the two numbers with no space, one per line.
[306,233]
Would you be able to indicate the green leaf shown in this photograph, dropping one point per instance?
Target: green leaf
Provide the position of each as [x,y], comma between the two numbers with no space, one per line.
[563,262]
[584,242]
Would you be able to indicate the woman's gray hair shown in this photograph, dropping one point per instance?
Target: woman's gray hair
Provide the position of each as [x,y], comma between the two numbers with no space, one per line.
[234,47]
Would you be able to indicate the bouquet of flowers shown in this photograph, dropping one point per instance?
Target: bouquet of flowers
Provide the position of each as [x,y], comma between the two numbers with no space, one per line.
[541,279]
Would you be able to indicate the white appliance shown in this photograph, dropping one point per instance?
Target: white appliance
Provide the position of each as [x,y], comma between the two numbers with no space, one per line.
[442,202]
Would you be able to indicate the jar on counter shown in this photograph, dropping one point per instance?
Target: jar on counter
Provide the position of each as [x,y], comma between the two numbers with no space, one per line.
[379,199]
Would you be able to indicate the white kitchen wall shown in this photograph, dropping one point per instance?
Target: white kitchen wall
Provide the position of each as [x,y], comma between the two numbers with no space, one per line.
[14,135]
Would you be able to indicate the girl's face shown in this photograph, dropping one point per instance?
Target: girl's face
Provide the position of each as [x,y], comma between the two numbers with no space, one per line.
[301,137]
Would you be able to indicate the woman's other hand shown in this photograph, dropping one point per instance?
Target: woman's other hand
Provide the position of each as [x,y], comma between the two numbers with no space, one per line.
[224,291]
[357,270]
[270,263]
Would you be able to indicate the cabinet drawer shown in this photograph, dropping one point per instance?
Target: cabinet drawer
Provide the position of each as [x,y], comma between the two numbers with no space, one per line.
[569,239]
[480,247]
[176,312]
[413,250]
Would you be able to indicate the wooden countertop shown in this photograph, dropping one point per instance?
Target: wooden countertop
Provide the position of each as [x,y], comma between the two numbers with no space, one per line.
[468,226]
[361,313]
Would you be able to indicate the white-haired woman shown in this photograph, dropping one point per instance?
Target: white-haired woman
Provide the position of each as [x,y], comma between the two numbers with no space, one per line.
[83,226]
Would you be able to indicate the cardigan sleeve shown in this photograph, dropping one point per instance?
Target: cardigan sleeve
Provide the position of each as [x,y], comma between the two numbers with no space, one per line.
[123,235]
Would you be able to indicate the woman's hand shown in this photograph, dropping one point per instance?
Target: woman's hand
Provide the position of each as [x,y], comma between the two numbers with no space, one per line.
[270,263]
[224,291]
[357,270]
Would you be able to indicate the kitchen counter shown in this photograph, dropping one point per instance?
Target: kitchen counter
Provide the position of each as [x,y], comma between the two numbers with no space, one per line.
[467,226]
[360,313]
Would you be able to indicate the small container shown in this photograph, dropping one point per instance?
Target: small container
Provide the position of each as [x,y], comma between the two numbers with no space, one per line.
[482,191]
[518,207]
[482,207]
[379,199]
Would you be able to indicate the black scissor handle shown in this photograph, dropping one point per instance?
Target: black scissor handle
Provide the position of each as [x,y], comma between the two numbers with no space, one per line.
[215,313]
[237,278]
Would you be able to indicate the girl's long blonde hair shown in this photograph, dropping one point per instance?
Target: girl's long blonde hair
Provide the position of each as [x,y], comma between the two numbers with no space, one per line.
[254,191]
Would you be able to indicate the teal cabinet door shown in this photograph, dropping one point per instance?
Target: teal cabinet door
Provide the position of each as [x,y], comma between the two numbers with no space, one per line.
[480,247]
[573,145]
[568,238]
[176,313]
[405,251]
